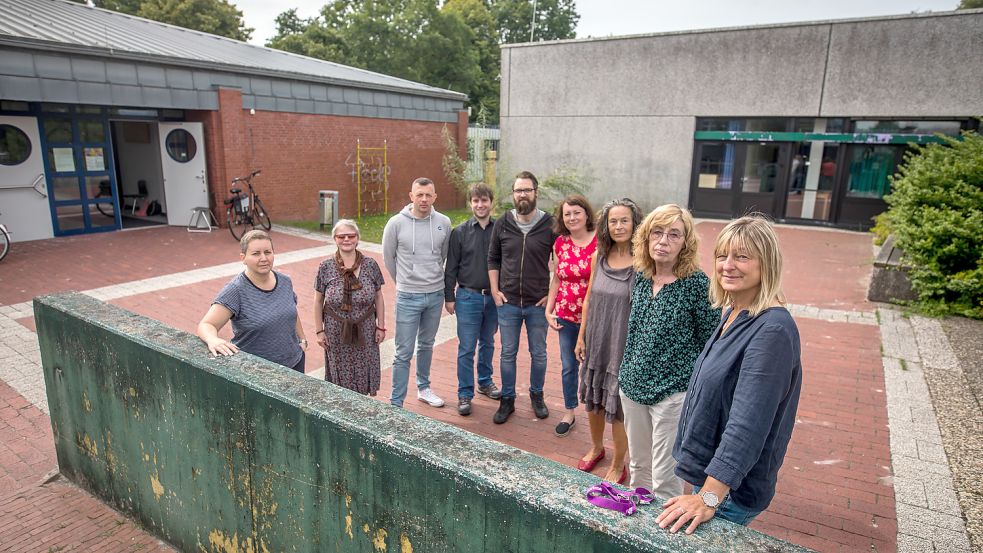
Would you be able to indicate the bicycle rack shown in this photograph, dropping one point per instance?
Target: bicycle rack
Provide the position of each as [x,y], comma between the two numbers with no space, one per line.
[200,222]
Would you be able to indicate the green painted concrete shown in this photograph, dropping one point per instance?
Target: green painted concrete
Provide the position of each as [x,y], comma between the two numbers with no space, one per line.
[238,455]
[856,138]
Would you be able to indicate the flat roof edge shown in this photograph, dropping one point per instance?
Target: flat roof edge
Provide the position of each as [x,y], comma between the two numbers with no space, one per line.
[789,24]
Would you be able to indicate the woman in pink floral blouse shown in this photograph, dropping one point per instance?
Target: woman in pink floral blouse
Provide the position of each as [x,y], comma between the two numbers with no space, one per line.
[572,251]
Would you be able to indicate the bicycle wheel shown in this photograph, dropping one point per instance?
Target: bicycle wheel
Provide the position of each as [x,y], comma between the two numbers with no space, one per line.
[238,222]
[4,243]
[260,215]
[106,209]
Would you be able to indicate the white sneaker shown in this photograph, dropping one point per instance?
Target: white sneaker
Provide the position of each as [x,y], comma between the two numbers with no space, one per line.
[427,396]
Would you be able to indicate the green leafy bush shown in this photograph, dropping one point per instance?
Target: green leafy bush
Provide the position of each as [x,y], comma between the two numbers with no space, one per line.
[936,214]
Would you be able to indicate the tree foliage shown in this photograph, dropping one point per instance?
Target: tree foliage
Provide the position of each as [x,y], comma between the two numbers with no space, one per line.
[970,5]
[217,17]
[452,44]
[936,214]
[555,20]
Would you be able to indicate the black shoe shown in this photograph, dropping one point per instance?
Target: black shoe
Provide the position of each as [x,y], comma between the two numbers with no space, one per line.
[506,407]
[464,406]
[490,390]
[538,405]
[563,428]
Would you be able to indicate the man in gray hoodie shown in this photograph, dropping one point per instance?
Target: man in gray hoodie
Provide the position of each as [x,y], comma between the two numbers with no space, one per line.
[414,248]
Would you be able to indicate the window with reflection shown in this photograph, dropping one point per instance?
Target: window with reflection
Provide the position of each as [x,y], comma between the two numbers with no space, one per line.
[58,130]
[908,127]
[766,125]
[870,168]
[92,130]
[15,146]
[716,165]
[181,145]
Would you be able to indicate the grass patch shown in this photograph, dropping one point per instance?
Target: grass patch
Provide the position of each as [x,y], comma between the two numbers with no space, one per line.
[904,364]
[371,226]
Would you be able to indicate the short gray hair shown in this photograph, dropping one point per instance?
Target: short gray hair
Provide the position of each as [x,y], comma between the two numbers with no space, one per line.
[345,223]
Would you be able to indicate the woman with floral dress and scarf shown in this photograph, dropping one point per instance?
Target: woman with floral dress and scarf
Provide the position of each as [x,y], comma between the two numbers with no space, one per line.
[350,313]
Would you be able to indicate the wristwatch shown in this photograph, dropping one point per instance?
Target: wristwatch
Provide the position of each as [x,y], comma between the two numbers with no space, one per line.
[710,499]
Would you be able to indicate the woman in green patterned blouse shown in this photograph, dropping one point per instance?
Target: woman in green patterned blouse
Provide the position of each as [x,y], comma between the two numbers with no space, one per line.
[671,319]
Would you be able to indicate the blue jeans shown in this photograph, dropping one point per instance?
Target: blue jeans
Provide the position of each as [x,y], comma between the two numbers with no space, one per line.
[510,319]
[730,510]
[417,319]
[571,368]
[477,322]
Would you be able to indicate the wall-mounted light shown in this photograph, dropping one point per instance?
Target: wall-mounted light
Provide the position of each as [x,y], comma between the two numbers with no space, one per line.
[252,111]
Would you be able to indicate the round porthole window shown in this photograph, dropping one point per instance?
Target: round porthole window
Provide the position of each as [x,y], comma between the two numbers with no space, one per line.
[15,146]
[181,145]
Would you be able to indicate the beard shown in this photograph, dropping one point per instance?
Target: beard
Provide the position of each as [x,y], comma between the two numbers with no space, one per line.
[525,207]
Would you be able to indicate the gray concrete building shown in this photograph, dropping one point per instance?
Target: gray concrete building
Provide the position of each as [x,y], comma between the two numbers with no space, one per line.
[803,121]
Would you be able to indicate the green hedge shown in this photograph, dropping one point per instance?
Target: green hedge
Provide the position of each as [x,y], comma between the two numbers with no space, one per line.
[936,214]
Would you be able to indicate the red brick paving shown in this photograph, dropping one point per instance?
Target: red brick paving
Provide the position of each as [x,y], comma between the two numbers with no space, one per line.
[56,516]
[94,260]
[832,492]
[828,269]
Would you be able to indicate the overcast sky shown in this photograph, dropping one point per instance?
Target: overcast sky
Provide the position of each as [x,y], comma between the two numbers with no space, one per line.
[625,17]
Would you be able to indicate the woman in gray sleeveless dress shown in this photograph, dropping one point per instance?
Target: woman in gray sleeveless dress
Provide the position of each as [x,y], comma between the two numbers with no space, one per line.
[601,344]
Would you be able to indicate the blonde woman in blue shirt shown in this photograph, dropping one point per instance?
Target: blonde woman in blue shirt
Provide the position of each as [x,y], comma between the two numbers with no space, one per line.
[740,406]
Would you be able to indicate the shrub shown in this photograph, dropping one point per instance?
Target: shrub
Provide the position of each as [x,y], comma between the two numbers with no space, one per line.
[553,187]
[936,214]
[455,168]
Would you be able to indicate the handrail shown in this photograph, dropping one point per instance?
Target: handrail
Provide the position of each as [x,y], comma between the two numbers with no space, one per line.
[34,184]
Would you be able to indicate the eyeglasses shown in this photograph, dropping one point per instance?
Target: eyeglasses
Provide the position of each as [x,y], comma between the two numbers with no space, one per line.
[345,236]
[523,191]
[673,236]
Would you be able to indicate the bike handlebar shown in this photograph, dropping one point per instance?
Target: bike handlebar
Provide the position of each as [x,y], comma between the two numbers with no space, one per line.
[246,179]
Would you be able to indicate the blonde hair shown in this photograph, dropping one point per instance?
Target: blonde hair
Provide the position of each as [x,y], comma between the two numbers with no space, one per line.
[688,261]
[251,236]
[755,236]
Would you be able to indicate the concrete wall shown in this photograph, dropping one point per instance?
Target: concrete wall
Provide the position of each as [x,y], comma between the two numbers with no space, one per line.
[238,454]
[619,108]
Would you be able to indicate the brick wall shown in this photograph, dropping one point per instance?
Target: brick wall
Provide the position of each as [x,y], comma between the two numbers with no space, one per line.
[301,154]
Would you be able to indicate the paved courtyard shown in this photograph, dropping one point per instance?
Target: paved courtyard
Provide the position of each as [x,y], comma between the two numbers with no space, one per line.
[866,468]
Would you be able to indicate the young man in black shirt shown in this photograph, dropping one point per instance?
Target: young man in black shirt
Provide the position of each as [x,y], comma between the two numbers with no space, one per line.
[477,317]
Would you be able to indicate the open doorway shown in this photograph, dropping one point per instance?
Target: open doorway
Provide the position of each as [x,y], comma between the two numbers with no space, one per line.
[139,179]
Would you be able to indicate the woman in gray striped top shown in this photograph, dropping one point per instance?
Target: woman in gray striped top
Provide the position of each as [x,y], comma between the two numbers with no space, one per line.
[262,306]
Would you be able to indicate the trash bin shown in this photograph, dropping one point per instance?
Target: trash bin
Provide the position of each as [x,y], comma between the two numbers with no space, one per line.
[328,203]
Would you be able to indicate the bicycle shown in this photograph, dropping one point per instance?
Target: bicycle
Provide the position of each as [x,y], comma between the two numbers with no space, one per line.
[245,211]
[4,241]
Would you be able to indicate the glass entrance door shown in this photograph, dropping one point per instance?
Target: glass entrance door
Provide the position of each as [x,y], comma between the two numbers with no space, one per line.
[77,161]
[732,179]
[761,173]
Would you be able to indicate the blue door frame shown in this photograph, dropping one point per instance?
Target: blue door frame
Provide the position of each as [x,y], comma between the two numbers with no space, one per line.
[74,191]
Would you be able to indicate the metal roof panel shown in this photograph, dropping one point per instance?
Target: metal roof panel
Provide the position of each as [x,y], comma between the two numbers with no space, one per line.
[62,25]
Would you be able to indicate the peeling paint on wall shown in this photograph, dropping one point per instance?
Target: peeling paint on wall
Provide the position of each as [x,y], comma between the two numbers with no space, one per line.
[156,485]
[379,541]
[404,544]
[87,446]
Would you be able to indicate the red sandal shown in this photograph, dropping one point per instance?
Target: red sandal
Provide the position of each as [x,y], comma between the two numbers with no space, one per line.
[588,466]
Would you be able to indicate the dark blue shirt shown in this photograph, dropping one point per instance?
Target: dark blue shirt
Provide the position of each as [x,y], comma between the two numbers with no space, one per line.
[740,407]
[264,322]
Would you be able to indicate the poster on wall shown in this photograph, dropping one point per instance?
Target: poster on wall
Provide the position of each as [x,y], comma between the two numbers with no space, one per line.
[94,160]
[64,160]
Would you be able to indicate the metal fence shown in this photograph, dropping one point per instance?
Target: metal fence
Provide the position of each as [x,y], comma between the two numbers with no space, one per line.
[480,140]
